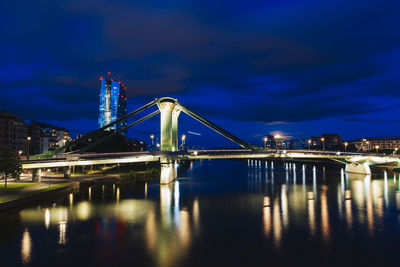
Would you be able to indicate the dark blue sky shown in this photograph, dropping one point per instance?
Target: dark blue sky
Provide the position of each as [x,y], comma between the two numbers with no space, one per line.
[254,67]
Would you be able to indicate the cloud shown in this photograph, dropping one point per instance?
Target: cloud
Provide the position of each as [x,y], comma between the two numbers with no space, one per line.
[268,62]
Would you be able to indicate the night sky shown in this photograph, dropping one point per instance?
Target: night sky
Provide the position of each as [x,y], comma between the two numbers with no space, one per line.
[253,67]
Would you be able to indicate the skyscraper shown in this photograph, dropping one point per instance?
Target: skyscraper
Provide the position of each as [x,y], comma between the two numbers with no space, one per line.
[112,103]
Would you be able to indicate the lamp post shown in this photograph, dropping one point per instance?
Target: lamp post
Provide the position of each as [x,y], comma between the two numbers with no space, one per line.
[19,153]
[152,140]
[345,146]
[309,144]
[376,147]
[323,143]
[367,145]
[183,138]
[395,151]
[265,142]
[29,142]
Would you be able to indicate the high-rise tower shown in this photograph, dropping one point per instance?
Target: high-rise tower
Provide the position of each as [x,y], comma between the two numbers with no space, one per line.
[112,103]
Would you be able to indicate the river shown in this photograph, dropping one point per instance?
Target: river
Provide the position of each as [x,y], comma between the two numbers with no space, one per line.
[217,213]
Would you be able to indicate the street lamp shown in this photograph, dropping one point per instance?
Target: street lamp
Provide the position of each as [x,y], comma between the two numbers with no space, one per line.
[183,138]
[395,151]
[309,143]
[376,147]
[19,153]
[345,146]
[29,142]
[367,145]
[152,139]
[323,143]
[265,142]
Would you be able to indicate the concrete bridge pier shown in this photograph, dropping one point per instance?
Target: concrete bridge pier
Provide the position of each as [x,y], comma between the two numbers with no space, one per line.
[168,170]
[36,175]
[358,168]
[67,172]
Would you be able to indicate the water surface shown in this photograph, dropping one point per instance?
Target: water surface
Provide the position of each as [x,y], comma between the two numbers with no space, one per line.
[217,213]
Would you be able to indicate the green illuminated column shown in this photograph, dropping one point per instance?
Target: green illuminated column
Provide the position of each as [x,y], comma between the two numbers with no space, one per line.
[169,124]
[175,116]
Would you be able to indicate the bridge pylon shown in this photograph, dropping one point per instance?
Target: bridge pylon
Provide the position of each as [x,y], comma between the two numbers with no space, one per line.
[168,124]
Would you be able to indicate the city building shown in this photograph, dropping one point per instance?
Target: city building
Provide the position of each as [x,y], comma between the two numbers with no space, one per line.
[112,104]
[377,143]
[14,133]
[50,137]
[332,141]
[34,143]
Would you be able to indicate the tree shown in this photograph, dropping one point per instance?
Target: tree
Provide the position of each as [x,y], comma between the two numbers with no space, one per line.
[10,166]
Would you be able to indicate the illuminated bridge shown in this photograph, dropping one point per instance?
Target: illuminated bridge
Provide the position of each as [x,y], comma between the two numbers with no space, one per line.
[169,154]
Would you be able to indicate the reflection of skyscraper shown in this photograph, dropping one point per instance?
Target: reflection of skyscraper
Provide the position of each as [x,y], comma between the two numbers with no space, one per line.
[112,103]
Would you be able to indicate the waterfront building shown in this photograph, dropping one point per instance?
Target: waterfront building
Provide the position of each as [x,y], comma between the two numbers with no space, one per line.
[332,141]
[377,143]
[13,133]
[112,103]
[50,137]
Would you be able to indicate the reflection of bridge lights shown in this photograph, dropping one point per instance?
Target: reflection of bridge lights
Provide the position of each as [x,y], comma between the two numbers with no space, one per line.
[267,220]
[83,210]
[196,214]
[47,218]
[277,224]
[71,199]
[325,216]
[267,202]
[62,240]
[26,247]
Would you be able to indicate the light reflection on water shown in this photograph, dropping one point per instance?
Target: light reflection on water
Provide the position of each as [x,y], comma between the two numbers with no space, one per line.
[255,200]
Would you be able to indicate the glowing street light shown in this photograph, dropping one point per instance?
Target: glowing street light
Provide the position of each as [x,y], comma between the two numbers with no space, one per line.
[152,139]
[183,138]
[376,147]
[309,143]
[345,146]
[29,142]
[395,151]
[19,153]
[265,142]
[323,143]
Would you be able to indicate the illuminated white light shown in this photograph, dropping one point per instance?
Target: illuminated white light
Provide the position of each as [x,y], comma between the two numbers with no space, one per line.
[62,240]
[26,247]
[47,218]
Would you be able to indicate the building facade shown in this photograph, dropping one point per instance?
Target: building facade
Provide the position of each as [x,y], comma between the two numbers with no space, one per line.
[112,103]
[377,143]
[14,133]
[50,137]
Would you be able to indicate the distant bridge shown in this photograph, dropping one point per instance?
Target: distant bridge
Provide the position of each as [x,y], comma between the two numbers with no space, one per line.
[168,155]
[355,163]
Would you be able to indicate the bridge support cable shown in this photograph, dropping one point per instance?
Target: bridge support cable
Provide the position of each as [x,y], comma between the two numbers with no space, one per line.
[102,140]
[215,127]
[130,114]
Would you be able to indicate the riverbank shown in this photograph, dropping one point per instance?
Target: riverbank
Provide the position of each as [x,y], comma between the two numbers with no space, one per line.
[19,195]
[32,194]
